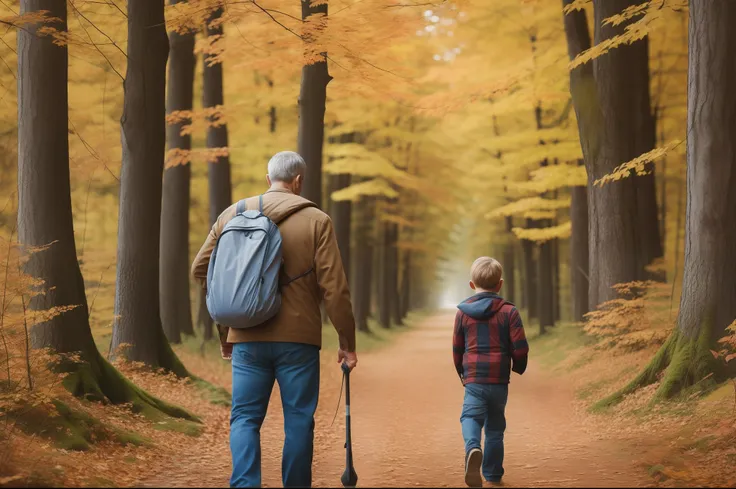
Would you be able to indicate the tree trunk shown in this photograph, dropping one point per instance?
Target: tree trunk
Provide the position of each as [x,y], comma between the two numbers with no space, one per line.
[44,191]
[220,187]
[624,231]
[384,289]
[509,263]
[312,98]
[579,252]
[582,89]
[45,216]
[137,315]
[393,275]
[556,312]
[363,266]
[406,288]
[544,285]
[530,274]
[709,279]
[176,310]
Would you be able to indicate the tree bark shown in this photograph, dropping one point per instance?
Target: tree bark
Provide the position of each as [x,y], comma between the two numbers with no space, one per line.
[384,289]
[312,99]
[709,278]
[544,285]
[44,190]
[588,115]
[393,275]
[406,288]
[509,262]
[45,216]
[530,275]
[219,182]
[176,310]
[363,267]
[579,252]
[341,211]
[622,215]
[137,314]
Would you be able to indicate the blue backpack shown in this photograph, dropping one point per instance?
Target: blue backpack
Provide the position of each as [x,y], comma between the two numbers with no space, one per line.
[245,268]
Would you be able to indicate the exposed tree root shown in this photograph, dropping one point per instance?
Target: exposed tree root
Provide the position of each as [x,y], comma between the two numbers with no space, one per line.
[686,362]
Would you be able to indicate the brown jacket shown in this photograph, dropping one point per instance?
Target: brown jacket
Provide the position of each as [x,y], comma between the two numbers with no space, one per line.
[308,242]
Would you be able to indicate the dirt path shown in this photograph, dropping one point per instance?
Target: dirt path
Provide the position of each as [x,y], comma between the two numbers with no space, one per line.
[406,407]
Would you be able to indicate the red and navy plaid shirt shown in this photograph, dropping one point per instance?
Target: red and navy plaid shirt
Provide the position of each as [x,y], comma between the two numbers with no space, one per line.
[489,341]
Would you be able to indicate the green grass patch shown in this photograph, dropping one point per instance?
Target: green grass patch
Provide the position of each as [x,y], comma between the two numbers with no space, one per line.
[551,348]
[215,394]
[69,428]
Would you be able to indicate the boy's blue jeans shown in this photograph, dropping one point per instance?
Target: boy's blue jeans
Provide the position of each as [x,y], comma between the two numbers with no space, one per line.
[255,367]
[485,405]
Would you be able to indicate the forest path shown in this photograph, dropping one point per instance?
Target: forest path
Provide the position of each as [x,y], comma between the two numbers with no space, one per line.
[406,403]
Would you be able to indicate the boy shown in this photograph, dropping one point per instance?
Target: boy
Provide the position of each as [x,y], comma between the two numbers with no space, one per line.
[488,343]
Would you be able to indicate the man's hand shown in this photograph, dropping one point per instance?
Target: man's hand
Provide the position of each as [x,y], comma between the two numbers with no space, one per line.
[348,358]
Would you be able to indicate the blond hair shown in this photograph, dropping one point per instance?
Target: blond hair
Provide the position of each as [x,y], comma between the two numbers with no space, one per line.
[486,272]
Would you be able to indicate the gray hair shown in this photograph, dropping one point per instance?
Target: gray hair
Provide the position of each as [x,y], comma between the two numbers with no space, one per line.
[286,166]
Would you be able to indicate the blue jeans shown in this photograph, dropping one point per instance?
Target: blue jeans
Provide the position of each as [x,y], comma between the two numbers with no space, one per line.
[255,367]
[485,405]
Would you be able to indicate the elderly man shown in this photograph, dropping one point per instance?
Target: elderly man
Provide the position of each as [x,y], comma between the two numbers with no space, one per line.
[286,347]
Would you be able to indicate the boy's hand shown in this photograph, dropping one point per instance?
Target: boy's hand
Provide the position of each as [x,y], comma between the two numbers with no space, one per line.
[226,350]
[349,358]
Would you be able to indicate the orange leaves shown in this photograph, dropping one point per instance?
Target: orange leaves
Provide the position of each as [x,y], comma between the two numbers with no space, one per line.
[728,353]
[193,121]
[638,318]
[178,156]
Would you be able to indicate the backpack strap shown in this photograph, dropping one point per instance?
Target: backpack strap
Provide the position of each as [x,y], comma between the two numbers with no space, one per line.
[240,207]
[260,203]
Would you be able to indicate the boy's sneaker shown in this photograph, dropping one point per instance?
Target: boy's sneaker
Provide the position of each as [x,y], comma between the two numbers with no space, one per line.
[473,461]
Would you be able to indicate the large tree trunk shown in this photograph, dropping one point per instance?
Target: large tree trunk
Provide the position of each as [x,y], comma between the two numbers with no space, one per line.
[312,98]
[137,317]
[530,275]
[45,216]
[363,267]
[44,191]
[220,187]
[509,262]
[709,279]
[582,88]
[176,310]
[579,252]
[622,215]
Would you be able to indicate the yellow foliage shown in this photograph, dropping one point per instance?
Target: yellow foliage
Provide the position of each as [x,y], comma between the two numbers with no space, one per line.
[640,317]
[541,235]
[633,32]
[576,5]
[371,188]
[530,204]
[555,177]
[637,165]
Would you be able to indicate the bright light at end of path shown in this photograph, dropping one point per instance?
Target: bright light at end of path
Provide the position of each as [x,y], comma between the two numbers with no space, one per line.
[446,301]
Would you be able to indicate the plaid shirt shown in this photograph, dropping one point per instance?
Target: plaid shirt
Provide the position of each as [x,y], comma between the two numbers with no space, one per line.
[488,339]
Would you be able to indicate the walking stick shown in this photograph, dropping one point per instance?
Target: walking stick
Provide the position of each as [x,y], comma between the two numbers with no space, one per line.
[349,477]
